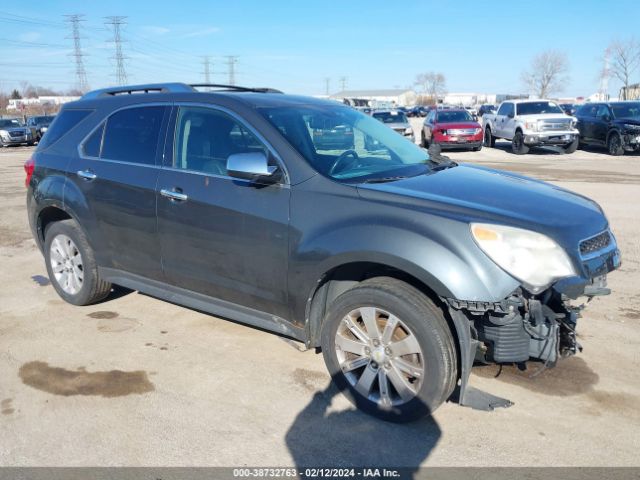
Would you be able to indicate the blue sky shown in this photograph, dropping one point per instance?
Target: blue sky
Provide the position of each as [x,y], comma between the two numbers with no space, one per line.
[480,46]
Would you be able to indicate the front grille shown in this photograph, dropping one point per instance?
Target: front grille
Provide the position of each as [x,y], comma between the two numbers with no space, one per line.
[555,125]
[596,243]
[462,131]
[15,133]
[400,129]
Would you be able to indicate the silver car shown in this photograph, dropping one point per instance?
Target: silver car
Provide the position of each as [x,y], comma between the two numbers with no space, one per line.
[12,132]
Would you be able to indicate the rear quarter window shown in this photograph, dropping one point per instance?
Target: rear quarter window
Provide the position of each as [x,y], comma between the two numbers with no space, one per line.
[132,135]
[63,123]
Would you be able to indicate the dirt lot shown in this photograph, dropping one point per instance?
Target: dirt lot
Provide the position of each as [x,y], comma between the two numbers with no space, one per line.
[137,381]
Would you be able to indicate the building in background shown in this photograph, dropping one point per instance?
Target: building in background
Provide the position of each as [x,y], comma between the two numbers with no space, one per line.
[472,99]
[377,98]
[630,93]
[46,102]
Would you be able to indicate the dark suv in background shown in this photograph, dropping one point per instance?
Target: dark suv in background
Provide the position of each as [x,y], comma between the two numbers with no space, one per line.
[402,267]
[614,125]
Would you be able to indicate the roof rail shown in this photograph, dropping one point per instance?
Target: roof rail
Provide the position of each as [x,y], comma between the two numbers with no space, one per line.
[235,88]
[135,89]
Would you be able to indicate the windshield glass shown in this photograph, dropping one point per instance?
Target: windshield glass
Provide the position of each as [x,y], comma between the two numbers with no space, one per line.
[347,145]
[626,110]
[43,119]
[390,117]
[9,123]
[534,108]
[454,116]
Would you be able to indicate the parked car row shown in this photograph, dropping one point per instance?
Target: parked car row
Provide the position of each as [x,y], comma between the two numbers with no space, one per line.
[13,131]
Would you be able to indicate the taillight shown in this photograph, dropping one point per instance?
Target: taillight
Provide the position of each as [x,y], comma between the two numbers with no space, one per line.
[29,166]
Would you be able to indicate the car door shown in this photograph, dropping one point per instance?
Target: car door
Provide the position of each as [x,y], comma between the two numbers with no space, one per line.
[586,116]
[116,172]
[601,124]
[428,126]
[508,122]
[501,116]
[220,236]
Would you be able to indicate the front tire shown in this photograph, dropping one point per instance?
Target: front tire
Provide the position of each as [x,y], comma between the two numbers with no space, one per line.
[614,144]
[71,264]
[517,144]
[489,139]
[389,349]
[572,147]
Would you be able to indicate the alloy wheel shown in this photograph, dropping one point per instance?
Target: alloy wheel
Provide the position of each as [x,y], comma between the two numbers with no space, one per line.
[66,264]
[380,356]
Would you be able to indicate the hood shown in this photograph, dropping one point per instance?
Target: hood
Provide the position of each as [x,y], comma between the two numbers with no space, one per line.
[471,193]
[397,125]
[630,121]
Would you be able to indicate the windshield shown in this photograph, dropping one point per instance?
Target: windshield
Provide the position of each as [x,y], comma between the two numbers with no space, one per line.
[626,110]
[390,117]
[534,108]
[43,119]
[454,116]
[9,123]
[347,145]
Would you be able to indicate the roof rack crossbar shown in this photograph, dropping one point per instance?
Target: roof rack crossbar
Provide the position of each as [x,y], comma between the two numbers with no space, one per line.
[145,88]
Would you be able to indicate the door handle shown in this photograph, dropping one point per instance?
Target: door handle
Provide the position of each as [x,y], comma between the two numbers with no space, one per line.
[87,175]
[173,195]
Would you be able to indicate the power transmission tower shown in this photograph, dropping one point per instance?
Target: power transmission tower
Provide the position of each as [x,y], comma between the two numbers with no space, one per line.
[116,22]
[343,83]
[327,82]
[231,68]
[206,60]
[81,74]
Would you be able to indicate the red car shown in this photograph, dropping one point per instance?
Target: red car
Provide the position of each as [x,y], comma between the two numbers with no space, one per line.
[451,129]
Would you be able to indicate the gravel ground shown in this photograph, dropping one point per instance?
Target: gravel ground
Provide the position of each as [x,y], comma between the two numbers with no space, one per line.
[137,381]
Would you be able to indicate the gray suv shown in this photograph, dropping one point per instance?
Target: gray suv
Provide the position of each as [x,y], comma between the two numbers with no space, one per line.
[401,267]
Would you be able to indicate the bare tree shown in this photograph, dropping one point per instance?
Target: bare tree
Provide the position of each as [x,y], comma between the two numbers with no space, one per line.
[625,60]
[433,84]
[548,73]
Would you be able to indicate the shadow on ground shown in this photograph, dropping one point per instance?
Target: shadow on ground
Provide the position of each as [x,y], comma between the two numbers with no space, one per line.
[320,438]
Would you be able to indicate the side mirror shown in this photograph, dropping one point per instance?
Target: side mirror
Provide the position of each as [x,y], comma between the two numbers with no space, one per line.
[249,166]
[511,115]
[606,118]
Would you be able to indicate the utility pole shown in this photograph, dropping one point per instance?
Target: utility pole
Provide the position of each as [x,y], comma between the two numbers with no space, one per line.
[343,83]
[81,74]
[231,68]
[116,22]
[206,60]
[327,82]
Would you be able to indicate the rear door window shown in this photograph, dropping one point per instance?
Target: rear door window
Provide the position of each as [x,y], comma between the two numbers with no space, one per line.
[132,135]
[64,122]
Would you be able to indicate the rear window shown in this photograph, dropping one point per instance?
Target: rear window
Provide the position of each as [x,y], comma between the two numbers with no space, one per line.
[390,117]
[132,135]
[63,123]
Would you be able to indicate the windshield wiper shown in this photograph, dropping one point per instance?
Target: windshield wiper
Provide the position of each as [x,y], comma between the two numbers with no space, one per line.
[384,179]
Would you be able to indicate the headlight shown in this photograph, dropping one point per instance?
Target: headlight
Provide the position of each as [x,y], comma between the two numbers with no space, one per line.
[531,125]
[477,131]
[632,127]
[4,134]
[408,131]
[531,257]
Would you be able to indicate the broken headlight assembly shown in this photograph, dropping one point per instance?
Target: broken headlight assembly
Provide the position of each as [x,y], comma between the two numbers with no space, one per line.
[531,257]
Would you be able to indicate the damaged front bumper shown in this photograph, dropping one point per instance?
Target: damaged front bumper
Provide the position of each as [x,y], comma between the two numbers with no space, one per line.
[525,325]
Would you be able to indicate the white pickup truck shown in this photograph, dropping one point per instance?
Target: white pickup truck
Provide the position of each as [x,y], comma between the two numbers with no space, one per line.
[530,123]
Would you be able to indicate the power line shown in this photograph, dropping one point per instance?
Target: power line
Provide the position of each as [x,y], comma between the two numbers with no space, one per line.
[231,65]
[343,83]
[327,83]
[116,22]
[81,74]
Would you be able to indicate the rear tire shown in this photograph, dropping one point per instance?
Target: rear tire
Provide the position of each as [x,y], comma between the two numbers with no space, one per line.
[477,149]
[517,144]
[71,264]
[489,139]
[614,144]
[426,376]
